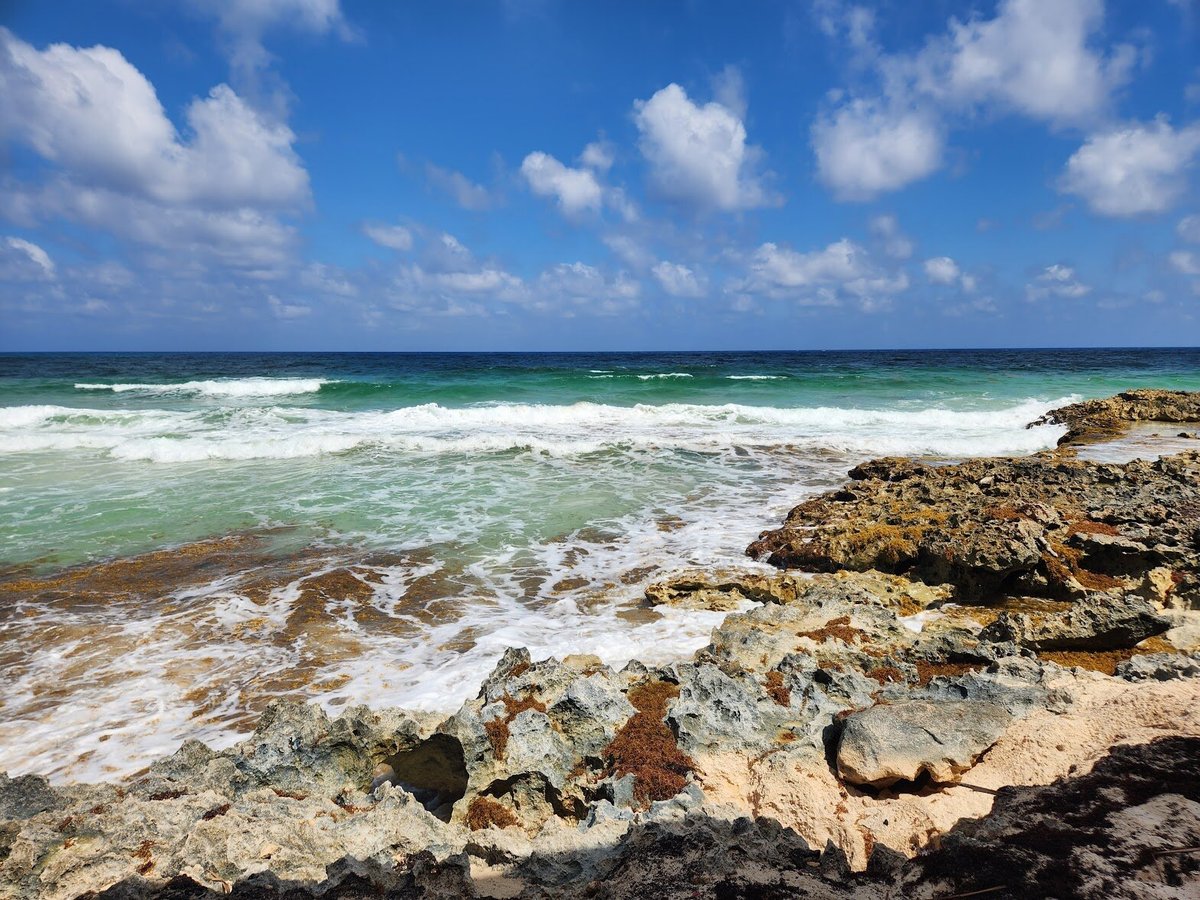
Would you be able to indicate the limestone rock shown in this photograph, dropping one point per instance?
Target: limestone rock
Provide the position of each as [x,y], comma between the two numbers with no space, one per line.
[1098,622]
[893,742]
[1093,419]
[1160,667]
[1042,526]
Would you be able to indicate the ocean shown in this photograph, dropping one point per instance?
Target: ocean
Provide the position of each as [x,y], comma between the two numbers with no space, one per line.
[377,528]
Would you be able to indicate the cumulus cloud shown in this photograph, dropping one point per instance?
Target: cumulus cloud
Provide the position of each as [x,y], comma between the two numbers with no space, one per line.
[679,280]
[869,147]
[461,189]
[463,285]
[119,165]
[942,270]
[394,237]
[598,156]
[822,277]
[698,155]
[570,287]
[1134,169]
[1056,281]
[576,190]
[1033,58]
[91,112]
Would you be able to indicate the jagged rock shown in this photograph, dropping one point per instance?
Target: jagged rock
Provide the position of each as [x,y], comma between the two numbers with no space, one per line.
[296,747]
[900,741]
[1098,622]
[713,709]
[26,796]
[1160,667]
[1043,526]
[706,857]
[1097,419]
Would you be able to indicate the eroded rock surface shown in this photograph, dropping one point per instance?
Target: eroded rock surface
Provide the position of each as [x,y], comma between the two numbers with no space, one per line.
[1093,420]
[1042,526]
[904,741]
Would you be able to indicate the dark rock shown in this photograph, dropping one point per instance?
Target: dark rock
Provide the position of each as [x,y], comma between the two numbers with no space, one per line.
[1048,527]
[1160,667]
[26,795]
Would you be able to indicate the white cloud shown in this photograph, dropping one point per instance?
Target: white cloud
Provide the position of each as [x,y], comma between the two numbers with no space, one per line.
[576,190]
[210,198]
[1186,262]
[464,192]
[942,270]
[577,285]
[394,237]
[95,115]
[486,280]
[244,23]
[729,89]
[326,280]
[1132,170]
[181,237]
[44,265]
[630,251]
[281,310]
[1057,281]
[678,280]
[1188,229]
[896,243]
[698,154]
[597,155]
[868,147]
[822,277]
[1035,58]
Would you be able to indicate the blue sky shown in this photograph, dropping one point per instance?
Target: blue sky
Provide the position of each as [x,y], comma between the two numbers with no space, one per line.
[544,174]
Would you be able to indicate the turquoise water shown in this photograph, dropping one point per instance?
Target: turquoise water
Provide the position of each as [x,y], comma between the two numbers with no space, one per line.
[539,492]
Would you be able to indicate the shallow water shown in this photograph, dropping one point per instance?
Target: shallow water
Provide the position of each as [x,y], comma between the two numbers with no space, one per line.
[387,524]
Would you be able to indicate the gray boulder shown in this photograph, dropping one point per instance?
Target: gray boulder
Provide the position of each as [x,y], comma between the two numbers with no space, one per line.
[898,742]
[1160,667]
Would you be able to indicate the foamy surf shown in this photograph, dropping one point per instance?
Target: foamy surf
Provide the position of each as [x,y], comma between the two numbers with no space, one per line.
[234,387]
[171,436]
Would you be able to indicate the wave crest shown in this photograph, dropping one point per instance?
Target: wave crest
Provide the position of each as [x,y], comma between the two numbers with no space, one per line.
[271,432]
[234,387]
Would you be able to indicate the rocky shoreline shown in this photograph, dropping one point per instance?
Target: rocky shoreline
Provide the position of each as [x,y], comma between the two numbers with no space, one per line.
[980,678]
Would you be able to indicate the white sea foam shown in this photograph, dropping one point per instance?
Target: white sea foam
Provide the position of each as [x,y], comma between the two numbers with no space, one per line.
[234,387]
[167,436]
[663,375]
